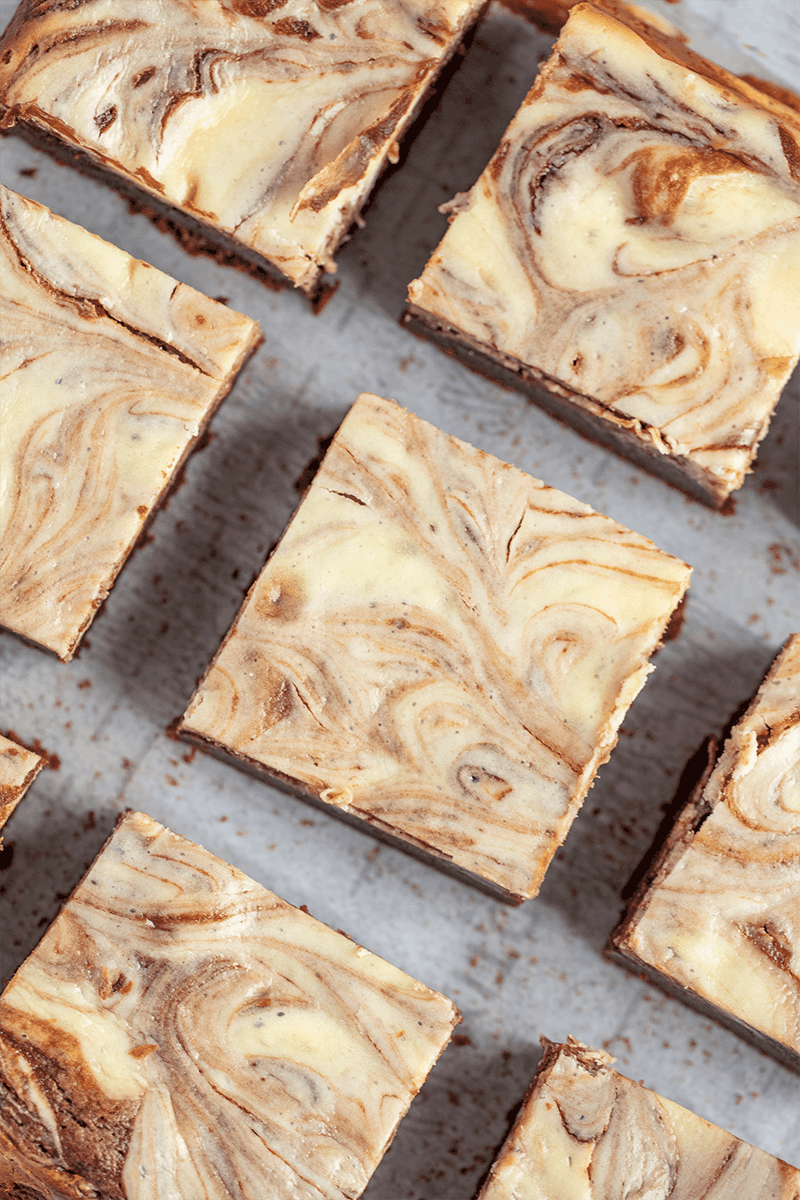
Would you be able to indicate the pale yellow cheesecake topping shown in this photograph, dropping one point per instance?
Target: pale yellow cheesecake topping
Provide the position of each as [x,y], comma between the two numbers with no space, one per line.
[636,240]
[18,769]
[587,1133]
[723,915]
[234,1045]
[441,644]
[270,119]
[110,371]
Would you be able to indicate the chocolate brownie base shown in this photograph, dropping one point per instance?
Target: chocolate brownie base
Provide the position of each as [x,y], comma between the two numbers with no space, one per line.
[587,416]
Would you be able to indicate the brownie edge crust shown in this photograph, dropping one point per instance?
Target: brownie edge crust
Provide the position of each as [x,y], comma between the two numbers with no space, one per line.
[181,1024]
[715,919]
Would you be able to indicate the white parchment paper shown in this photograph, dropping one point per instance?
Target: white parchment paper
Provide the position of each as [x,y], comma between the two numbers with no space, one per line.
[515,973]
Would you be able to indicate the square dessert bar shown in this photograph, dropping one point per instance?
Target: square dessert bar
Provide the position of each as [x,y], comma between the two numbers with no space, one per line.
[716,918]
[182,1031]
[111,371]
[258,125]
[18,769]
[631,254]
[441,646]
[585,1131]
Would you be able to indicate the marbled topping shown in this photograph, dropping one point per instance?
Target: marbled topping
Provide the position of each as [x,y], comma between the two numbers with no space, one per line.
[588,1133]
[441,644]
[270,119]
[636,237]
[182,1032]
[110,371]
[723,916]
[18,769]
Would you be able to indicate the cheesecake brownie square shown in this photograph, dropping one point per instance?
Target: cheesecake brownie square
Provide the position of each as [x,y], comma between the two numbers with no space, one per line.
[111,371]
[18,769]
[440,646]
[631,254]
[260,126]
[716,918]
[586,1131]
[181,1027]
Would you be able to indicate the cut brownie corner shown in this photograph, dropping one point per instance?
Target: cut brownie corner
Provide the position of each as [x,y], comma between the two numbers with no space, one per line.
[440,647]
[19,766]
[623,256]
[180,1021]
[712,918]
[124,365]
[586,1130]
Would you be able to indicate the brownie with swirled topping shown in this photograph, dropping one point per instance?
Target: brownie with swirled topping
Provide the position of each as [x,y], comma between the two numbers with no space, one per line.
[260,127]
[715,919]
[111,372]
[440,646]
[182,1031]
[586,1131]
[631,254]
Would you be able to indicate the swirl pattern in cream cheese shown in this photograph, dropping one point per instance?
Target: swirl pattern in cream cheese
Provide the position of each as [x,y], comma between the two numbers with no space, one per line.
[588,1133]
[110,371]
[441,645]
[18,769]
[635,242]
[722,917]
[268,119]
[182,1032]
